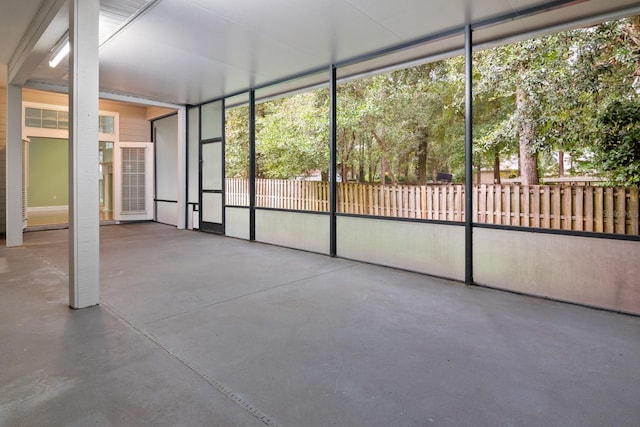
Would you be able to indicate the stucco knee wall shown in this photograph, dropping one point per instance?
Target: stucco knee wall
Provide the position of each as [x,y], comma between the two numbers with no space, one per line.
[435,249]
[597,272]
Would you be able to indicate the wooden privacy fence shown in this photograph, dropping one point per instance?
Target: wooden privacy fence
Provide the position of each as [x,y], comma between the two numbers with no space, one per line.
[580,208]
[280,194]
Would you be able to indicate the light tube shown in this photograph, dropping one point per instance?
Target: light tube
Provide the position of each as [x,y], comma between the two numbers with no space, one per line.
[59,53]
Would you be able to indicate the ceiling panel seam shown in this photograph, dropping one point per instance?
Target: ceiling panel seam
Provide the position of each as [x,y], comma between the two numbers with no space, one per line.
[362,12]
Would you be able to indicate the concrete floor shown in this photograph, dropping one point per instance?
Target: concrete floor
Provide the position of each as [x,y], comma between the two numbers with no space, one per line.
[202,330]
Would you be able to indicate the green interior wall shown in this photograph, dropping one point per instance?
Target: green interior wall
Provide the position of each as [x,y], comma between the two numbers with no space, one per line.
[106,150]
[48,172]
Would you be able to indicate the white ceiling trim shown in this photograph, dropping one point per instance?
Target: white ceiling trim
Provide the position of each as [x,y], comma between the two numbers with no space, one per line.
[29,53]
[46,87]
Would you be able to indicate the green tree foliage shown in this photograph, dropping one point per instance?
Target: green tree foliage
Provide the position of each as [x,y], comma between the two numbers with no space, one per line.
[530,85]
[618,149]
[403,126]
[533,99]
[549,91]
[237,142]
[292,136]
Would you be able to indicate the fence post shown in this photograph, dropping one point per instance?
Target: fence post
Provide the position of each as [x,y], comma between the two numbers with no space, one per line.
[510,202]
[482,204]
[526,198]
[458,208]
[566,208]
[546,207]
[579,209]
[536,206]
[633,212]
[621,210]
[608,210]
[588,208]
[450,203]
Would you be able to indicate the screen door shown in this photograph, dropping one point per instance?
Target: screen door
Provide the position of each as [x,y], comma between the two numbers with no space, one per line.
[212,167]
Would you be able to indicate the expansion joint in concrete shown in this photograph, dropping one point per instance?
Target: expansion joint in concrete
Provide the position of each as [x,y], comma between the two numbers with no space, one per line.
[221,388]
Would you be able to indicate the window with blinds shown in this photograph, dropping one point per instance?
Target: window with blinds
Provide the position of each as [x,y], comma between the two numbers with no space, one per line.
[133,180]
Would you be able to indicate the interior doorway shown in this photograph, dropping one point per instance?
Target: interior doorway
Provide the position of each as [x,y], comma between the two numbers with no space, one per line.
[46,166]
[106,180]
[47,182]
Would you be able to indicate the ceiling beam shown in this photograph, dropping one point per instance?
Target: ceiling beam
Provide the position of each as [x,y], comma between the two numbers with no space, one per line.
[136,100]
[48,25]
[129,99]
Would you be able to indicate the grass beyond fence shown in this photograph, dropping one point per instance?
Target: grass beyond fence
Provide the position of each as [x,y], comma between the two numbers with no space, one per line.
[580,208]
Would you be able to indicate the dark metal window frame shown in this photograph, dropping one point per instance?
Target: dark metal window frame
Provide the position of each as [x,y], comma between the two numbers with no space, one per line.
[219,139]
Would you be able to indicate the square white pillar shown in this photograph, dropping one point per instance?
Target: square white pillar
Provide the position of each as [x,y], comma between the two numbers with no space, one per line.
[182,168]
[14,166]
[84,222]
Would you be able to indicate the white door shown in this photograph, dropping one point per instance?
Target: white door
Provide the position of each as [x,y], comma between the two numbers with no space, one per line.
[133,181]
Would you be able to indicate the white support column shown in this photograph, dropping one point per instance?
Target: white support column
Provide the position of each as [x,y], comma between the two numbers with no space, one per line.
[14,166]
[182,168]
[84,232]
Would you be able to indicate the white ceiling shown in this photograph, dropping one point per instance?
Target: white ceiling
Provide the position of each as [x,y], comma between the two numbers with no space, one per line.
[190,51]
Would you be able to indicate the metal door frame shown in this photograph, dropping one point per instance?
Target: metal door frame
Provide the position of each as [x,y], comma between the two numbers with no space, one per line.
[211,227]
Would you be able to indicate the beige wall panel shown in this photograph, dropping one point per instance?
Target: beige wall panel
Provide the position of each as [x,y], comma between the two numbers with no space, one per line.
[156,112]
[309,232]
[134,126]
[212,206]
[237,223]
[30,95]
[435,249]
[597,272]
[167,213]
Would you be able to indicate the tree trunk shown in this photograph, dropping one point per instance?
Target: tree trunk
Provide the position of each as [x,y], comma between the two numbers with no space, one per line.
[496,167]
[561,163]
[422,159]
[371,166]
[528,157]
[528,166]
[383,161]
[361,177]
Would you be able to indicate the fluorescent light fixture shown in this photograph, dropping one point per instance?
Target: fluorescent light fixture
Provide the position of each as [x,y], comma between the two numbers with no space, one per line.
[58,52]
